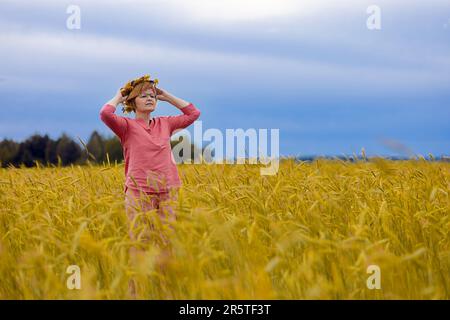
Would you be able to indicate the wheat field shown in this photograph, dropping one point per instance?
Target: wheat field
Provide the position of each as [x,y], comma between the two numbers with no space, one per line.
[309,232]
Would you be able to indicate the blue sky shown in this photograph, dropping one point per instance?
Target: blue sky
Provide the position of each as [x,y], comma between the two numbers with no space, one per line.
[311,69]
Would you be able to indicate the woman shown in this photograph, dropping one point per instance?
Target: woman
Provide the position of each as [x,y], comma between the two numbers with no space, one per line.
[151,175]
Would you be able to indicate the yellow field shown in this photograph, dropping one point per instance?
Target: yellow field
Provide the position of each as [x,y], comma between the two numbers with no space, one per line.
[309,232]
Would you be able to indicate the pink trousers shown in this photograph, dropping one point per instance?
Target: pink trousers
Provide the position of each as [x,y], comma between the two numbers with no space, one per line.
[148,203]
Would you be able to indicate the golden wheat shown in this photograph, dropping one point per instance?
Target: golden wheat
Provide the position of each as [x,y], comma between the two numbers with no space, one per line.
[309,232]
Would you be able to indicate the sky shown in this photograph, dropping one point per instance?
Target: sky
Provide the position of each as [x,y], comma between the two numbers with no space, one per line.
[312,69]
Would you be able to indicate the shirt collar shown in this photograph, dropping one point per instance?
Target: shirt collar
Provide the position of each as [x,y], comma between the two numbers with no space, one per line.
[143,122]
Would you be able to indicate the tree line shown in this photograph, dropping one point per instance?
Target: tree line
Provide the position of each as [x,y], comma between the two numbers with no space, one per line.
[63,151]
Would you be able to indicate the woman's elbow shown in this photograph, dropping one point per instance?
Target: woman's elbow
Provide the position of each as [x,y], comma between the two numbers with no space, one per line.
[103,115]
[104,112]
[197,114]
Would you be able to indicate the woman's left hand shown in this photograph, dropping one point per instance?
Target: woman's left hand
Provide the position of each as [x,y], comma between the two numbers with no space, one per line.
[162,95]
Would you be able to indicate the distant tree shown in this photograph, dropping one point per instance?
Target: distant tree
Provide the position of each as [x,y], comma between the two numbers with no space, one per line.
[8,151]
[23,157]
[45,150]
[50,152]
[37,145]
[96,146]
[114,149]
[68,150]
[33,149]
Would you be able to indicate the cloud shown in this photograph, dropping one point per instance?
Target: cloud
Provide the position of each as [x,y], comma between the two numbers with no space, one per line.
[71,56]
[232,11]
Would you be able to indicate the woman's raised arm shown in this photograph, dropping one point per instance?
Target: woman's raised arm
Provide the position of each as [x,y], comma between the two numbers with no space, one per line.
[116,123]
[190,112]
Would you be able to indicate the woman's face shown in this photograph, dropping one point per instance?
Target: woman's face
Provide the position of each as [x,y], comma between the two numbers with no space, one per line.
[146,101]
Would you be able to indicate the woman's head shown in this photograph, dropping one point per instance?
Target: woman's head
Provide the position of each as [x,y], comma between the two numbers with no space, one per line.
[141,95]
[142,98]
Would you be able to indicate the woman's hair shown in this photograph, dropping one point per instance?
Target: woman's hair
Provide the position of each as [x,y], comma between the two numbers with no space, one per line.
[134,88]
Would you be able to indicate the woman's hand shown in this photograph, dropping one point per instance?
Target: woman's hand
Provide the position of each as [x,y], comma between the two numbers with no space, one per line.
[118,98]
[163,95]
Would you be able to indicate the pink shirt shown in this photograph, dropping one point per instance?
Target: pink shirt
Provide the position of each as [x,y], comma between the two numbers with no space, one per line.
[149,162]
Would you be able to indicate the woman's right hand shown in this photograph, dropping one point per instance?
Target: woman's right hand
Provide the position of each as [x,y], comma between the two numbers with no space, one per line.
[118,98]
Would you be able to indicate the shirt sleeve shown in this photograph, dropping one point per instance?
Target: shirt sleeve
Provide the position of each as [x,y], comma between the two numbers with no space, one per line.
[116,123]
[190,114]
